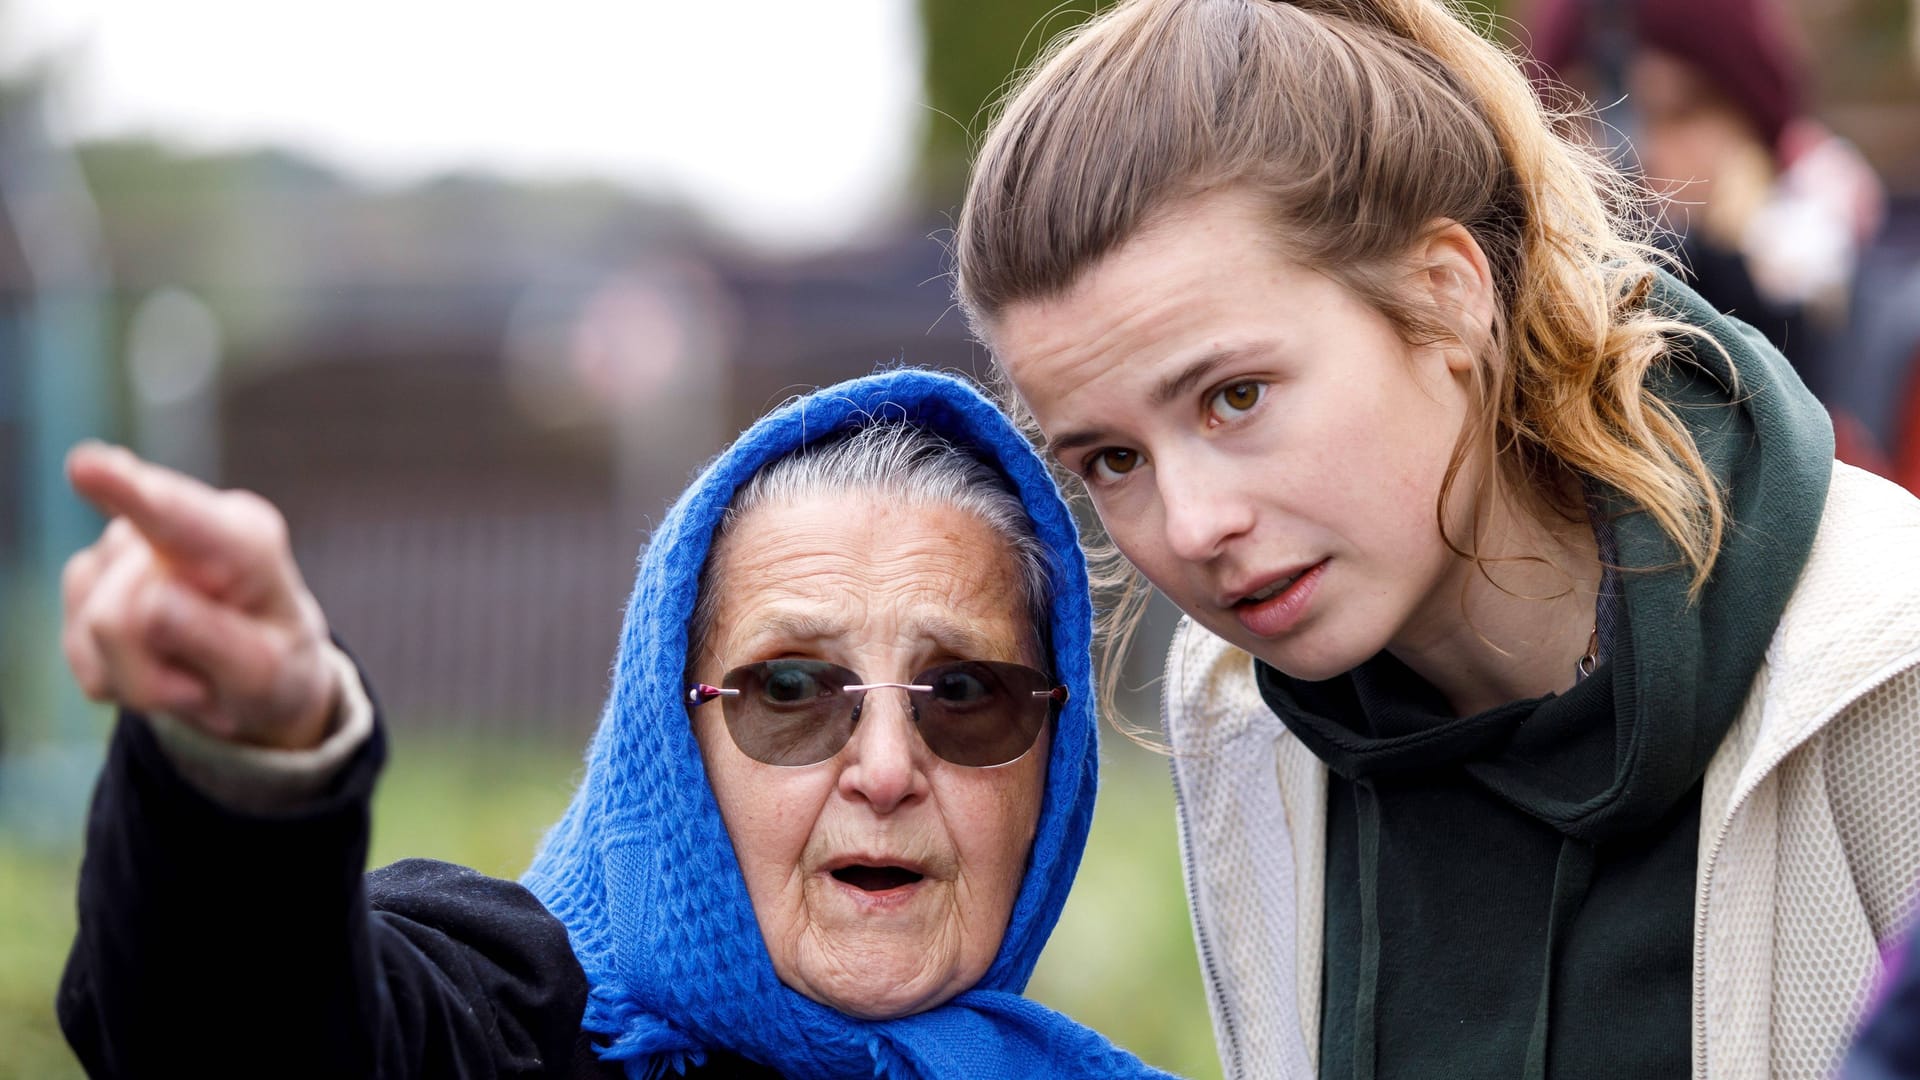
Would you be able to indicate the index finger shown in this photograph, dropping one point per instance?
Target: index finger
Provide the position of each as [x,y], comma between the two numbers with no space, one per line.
[180,516]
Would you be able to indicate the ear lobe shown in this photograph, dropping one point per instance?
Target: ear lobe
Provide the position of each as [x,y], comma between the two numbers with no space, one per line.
[1459,284]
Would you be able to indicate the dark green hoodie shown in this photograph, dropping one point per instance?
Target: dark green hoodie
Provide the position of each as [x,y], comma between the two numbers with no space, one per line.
[1510,894]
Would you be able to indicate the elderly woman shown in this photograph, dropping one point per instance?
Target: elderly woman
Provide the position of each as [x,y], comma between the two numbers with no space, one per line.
[837,796]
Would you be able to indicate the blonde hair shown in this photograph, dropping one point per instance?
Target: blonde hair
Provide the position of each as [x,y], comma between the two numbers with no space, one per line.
[1362,126]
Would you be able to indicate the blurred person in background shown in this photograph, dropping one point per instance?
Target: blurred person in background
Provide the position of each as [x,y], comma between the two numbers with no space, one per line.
[830,817]
[1548,702]
[1889,1044]
[1769,209]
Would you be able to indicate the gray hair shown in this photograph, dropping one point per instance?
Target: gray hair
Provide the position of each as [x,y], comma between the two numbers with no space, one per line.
[902,463]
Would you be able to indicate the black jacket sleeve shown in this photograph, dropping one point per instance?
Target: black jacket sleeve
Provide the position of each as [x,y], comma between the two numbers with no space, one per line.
[219,944]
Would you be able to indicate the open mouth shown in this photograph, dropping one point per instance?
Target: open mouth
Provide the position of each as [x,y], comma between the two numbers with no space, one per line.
[1267,593]
[876,878]
[1275,588]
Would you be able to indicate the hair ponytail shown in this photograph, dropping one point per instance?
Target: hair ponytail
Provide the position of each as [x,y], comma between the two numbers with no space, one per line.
[1580,342]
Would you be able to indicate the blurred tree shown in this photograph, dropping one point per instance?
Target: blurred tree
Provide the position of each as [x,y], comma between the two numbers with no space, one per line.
[1865,80]
[973,47]
[1859,48]
[276,242]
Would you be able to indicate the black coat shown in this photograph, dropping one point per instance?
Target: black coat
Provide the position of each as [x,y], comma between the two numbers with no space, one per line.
[219,944]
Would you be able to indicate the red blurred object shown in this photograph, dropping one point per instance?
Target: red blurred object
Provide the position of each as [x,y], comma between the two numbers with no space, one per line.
[1906,460]
[1748,49]
[1855,445]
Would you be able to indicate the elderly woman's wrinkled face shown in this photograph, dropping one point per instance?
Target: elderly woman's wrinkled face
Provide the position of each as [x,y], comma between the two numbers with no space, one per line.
[883,877]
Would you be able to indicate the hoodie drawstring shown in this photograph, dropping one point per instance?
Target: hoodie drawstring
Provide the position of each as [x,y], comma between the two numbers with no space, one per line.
[1366,804]
[1572,876]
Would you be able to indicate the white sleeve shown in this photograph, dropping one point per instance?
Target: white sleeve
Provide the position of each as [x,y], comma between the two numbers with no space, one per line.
[259,779]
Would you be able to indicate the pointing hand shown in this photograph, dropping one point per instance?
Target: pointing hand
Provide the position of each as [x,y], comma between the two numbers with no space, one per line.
[190,604]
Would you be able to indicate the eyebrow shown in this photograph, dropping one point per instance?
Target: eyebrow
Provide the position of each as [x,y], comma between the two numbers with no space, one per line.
[1167,390]
[959,639]
[1177,384]
[796,627]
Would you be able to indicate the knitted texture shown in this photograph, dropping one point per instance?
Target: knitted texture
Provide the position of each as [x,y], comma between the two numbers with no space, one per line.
[641,871]
[1810,822]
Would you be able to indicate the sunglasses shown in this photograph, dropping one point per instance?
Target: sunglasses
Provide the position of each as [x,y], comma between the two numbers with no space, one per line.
[977,713]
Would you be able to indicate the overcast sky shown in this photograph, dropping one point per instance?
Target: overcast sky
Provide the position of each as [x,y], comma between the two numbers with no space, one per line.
[793,123]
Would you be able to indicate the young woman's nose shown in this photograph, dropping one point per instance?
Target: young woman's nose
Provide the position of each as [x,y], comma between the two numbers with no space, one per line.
[885,760]
[1203,508]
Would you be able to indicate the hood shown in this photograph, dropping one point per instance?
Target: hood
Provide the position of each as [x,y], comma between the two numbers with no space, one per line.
[1621,749]
[1616,760]
[640,869]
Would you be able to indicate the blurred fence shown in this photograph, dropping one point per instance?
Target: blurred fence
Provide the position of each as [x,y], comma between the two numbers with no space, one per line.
[473,537]
[495,617]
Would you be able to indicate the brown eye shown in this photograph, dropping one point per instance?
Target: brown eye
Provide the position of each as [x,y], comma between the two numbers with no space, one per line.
[1114,461]
[1237,399]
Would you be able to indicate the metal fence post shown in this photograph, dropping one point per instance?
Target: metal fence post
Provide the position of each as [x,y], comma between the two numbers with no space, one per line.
[51,733]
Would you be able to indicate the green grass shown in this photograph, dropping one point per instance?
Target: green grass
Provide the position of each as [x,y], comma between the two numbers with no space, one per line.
[483,803]
[36,924]
[479,802]
[1121,959]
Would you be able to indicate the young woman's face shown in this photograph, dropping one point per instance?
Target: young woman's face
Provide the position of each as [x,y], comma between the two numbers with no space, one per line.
[1257,440]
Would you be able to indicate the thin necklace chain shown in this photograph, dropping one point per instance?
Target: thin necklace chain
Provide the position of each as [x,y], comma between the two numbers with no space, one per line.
[1590,659]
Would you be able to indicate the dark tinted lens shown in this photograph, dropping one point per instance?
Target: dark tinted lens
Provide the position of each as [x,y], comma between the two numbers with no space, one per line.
[789,712]
[982,712]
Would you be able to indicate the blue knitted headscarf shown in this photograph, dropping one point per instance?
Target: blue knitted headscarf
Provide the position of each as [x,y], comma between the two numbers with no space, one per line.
[641,872]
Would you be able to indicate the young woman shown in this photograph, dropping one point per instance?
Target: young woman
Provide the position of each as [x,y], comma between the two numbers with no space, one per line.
[1548,702]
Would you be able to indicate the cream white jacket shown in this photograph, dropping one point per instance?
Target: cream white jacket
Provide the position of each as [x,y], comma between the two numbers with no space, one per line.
[1810,822]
